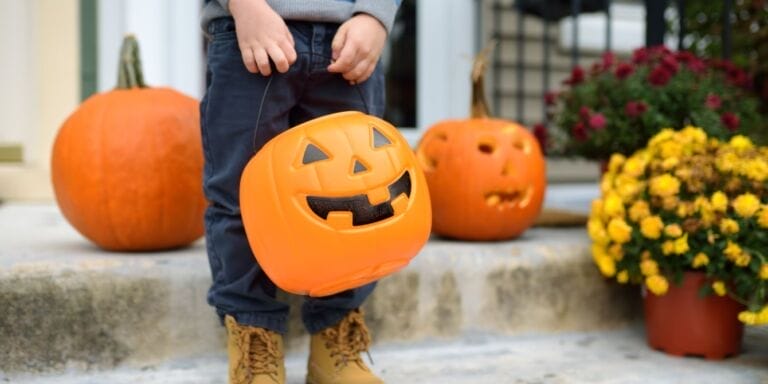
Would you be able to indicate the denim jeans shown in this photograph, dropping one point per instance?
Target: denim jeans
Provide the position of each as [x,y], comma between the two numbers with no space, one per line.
[240,112]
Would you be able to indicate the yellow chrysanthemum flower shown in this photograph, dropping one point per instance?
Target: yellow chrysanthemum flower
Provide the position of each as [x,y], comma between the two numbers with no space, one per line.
[649,267]
[619,231]
[681,245]
[703,206]
[606,265]
[665,185]
[708,217]
[700,260]
[668,247]
[743,259]
[701,203]
[627,187]
[684,173]
[673,230]
[663,135]
[746,205]
[685,209]
[651,227]
[732,250]
[635,165]
[670,148]
[597,231]
[764,271]
[719,288]
[616,161]
[729,226]
[606,183]
[639,210]
[669,163]
[762,316]
[695,134]
[755,169]
[727,162]
[657,284]
[741,143]
[754,318]
[748,318]
[762,218]
[613,206]
[596,209]
[669,203]
[622,277]
[719,201]
[599,251]
[616,251]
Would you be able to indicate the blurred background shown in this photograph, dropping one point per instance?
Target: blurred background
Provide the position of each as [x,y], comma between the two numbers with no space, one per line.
[58,52]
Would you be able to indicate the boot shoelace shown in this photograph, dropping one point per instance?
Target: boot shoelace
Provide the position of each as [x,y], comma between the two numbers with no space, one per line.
[260,355]
[348,340]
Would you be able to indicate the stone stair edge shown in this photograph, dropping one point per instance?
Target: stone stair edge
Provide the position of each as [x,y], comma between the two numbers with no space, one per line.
[109,309]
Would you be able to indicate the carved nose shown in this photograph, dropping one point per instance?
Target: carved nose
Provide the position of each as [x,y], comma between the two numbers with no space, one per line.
[359,167]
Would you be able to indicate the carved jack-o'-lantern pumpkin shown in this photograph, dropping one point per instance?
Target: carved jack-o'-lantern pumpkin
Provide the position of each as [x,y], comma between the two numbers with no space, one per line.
[486,176]
[334,203]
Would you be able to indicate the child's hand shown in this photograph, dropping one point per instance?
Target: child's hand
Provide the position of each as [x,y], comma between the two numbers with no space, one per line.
[262,34]
[357,47]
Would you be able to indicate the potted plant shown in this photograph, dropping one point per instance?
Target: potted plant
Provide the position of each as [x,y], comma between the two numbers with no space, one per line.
[619,104]
[687,218]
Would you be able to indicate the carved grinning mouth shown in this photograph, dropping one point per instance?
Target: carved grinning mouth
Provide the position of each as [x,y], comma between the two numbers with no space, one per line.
[362,211]
[508,198]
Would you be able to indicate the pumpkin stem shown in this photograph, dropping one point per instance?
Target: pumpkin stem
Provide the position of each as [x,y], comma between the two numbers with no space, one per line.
[479,104]
[129,73]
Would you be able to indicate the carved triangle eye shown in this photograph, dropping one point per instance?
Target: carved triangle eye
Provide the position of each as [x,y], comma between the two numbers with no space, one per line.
[313,154]
[379,140]
[359,167]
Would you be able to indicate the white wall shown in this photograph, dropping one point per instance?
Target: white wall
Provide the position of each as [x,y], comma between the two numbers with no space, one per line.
[39,87]
[169,37]
[18,76]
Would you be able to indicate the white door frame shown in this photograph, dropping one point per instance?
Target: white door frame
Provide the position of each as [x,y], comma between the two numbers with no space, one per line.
[445,49]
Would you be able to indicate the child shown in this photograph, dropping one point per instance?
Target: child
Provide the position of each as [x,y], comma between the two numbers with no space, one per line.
[273,65]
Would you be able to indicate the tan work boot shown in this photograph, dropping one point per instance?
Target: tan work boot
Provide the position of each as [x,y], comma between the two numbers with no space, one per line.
[334,356]
[255,354]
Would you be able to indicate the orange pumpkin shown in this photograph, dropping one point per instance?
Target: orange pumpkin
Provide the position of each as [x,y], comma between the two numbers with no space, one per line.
[486,176]
[127,165]
[334,203]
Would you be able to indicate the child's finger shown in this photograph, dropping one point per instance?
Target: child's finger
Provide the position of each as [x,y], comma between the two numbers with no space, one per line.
[358,71]
[278,57]
[289,35]
[367,75]
[338,42]
[346,60]
[262,61]
[289,51]
[248,60]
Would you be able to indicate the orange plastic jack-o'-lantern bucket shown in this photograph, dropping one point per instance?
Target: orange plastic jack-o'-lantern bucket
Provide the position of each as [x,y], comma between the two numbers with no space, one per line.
[334,203]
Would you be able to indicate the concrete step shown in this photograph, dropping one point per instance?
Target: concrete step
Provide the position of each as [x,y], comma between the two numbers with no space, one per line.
[607,357]
[69,305]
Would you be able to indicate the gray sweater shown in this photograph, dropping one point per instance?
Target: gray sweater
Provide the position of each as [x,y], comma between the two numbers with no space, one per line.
[336,11]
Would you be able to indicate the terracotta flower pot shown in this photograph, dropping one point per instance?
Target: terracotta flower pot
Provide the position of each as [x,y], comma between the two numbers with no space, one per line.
[683,323]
